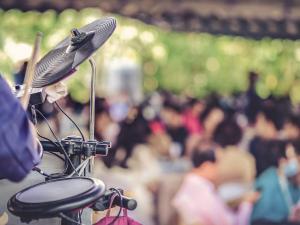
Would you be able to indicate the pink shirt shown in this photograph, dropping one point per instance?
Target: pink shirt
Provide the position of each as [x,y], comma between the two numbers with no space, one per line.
[192,123]
[198,203]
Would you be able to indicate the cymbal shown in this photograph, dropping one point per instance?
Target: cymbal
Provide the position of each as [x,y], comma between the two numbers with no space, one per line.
[62,60]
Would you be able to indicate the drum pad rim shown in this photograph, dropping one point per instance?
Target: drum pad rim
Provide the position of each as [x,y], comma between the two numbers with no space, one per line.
[52,208]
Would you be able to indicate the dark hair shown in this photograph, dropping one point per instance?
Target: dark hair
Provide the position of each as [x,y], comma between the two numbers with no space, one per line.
[277,150]
[295,120]
[193,101]
[76,106]
[208,110]
[133,132]
[173,106]
[252,76]
[271,113]
[228,132]
[101,106]
[296,145]
[201,156]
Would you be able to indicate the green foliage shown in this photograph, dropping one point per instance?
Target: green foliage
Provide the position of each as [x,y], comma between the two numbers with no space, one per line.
[195,64]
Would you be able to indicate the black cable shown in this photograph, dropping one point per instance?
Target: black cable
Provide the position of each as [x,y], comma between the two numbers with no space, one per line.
[52,142]
[58,147]
[53,153]
[80,215]
[121,207]
[62,215]
[81,134]
[48,124]
[37,169]
[48,139]
[56,138]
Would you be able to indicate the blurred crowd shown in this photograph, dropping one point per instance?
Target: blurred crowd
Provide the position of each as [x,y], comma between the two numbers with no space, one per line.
[230,160]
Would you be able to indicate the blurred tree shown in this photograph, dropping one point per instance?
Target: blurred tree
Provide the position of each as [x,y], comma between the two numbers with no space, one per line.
[192,63]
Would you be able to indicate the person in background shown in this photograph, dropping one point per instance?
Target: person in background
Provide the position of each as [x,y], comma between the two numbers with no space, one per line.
[291,128]
[191,116]
[236,165]
[267,127]
[106,129]
[210,118]
[253,101]
[133,130]
[172,117]
[192,123]
[197,201]
[279,194]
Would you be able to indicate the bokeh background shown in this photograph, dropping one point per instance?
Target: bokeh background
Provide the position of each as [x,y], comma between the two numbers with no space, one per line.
[196,64]
[180,84]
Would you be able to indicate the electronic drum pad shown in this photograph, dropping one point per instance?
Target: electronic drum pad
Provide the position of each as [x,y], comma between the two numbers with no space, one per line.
[48,199]
[72,51]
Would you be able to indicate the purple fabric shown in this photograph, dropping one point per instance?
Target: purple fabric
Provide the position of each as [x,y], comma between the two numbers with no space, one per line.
[122,220]
[18,153]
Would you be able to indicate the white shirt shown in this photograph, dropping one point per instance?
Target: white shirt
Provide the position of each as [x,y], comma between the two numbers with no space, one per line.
[197,202]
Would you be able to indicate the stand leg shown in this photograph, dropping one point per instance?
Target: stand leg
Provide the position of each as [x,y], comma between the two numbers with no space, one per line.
[92,107]
[73,216]
[92,99]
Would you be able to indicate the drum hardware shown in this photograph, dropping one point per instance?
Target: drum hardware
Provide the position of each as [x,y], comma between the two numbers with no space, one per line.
[65,197]
[76,148]
[49,199]
[72,51]
[75,145]
[37,95]
[103,202]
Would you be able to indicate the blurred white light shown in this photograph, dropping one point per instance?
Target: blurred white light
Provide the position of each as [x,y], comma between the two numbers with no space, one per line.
[55,38]
[231,48]
[159,52]
[297,54]
[17,51]
[149,113]
[147,37]
[89,19]
[128,32]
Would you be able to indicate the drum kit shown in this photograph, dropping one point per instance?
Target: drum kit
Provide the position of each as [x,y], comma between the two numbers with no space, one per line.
[67,194]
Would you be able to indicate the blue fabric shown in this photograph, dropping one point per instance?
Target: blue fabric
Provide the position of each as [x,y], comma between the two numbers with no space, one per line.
[272,205]
[17,152]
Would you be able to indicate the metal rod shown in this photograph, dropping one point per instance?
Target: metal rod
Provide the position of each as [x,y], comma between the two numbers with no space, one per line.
[92,108]
[92,99]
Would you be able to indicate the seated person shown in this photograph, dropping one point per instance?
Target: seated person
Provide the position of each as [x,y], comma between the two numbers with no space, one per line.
[279,194]
[172,118]
[235,165]
[267,126]
[197,201]
[291,128]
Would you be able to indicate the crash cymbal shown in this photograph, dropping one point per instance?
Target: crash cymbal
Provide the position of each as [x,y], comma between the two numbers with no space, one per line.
[72,51]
